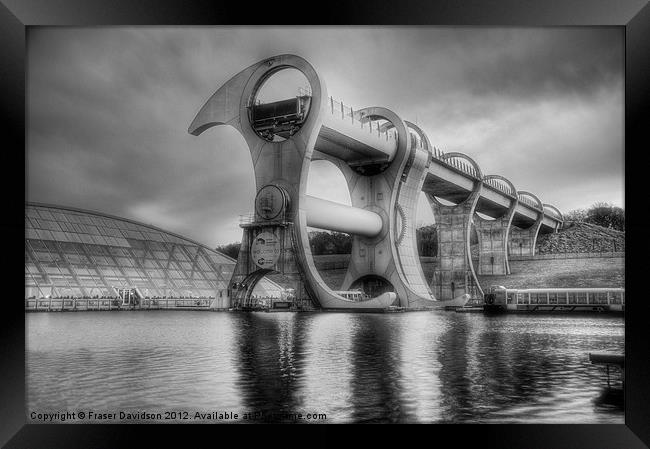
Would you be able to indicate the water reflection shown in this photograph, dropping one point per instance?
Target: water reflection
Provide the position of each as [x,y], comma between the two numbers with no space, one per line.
[411,367]
[517,369]
[456,398]
[376,376]
[270,354]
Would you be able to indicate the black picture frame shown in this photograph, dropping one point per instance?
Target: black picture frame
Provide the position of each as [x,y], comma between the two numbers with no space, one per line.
[633,15]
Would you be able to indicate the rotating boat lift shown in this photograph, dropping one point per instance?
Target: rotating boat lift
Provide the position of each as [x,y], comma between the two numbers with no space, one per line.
[386,162]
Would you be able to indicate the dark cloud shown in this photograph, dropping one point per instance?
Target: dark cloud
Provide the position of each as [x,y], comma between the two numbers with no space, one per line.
[533,63]
[108,111]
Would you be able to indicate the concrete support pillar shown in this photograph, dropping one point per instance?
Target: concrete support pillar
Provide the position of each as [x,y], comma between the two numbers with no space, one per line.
[522,241]
[454,274]
[492,245]
[493,236]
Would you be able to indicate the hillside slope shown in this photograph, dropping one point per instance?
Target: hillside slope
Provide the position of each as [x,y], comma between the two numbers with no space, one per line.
[581,238]
[577,238]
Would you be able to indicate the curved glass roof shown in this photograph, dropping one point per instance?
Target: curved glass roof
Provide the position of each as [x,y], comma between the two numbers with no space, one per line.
[78,253]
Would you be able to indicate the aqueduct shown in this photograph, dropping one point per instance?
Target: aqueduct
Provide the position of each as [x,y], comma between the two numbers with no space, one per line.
[386,162]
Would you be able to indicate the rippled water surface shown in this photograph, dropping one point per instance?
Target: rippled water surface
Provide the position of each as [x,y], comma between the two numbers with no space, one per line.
[404,367]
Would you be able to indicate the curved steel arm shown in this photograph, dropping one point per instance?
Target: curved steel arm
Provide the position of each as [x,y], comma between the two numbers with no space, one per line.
[223,106]
[423,137]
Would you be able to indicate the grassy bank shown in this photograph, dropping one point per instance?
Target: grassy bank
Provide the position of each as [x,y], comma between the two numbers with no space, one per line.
[332,268]
[573,272]
[562,273]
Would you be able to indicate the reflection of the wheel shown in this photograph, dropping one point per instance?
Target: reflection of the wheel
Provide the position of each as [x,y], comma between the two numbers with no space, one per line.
[271,359]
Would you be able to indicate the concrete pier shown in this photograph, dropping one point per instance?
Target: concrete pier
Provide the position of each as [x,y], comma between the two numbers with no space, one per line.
[454,275]
[493,235]
[522,241]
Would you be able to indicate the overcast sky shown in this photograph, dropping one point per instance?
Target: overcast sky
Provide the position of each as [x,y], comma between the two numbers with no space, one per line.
[109,108]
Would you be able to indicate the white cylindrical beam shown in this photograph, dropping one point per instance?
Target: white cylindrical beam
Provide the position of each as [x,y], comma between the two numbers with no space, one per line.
[325,214]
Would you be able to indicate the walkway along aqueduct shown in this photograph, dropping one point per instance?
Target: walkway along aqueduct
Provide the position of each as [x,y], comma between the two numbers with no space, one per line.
[386,162]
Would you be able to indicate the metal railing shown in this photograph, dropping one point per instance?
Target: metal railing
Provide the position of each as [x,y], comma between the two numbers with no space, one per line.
[529,202]
[455,162]
[339,109]
[346,112]
[247,218]
[175,303]
[553,213]
[78,304]
[251,218]
[500,186]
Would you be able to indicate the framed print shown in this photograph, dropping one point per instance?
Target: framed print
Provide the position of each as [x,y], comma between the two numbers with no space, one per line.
[424,213]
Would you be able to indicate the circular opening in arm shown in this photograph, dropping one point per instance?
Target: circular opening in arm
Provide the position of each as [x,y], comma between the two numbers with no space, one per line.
[280,105]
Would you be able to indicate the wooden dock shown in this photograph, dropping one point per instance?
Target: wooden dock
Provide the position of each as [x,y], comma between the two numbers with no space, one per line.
[608,359]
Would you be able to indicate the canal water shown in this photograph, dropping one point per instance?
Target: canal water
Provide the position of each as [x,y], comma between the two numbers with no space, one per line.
[342,367]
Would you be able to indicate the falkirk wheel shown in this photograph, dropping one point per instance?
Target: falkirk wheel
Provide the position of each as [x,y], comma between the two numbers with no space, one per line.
[384,160]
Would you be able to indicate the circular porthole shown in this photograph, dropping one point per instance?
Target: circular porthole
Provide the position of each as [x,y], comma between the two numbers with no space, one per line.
[280,105]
